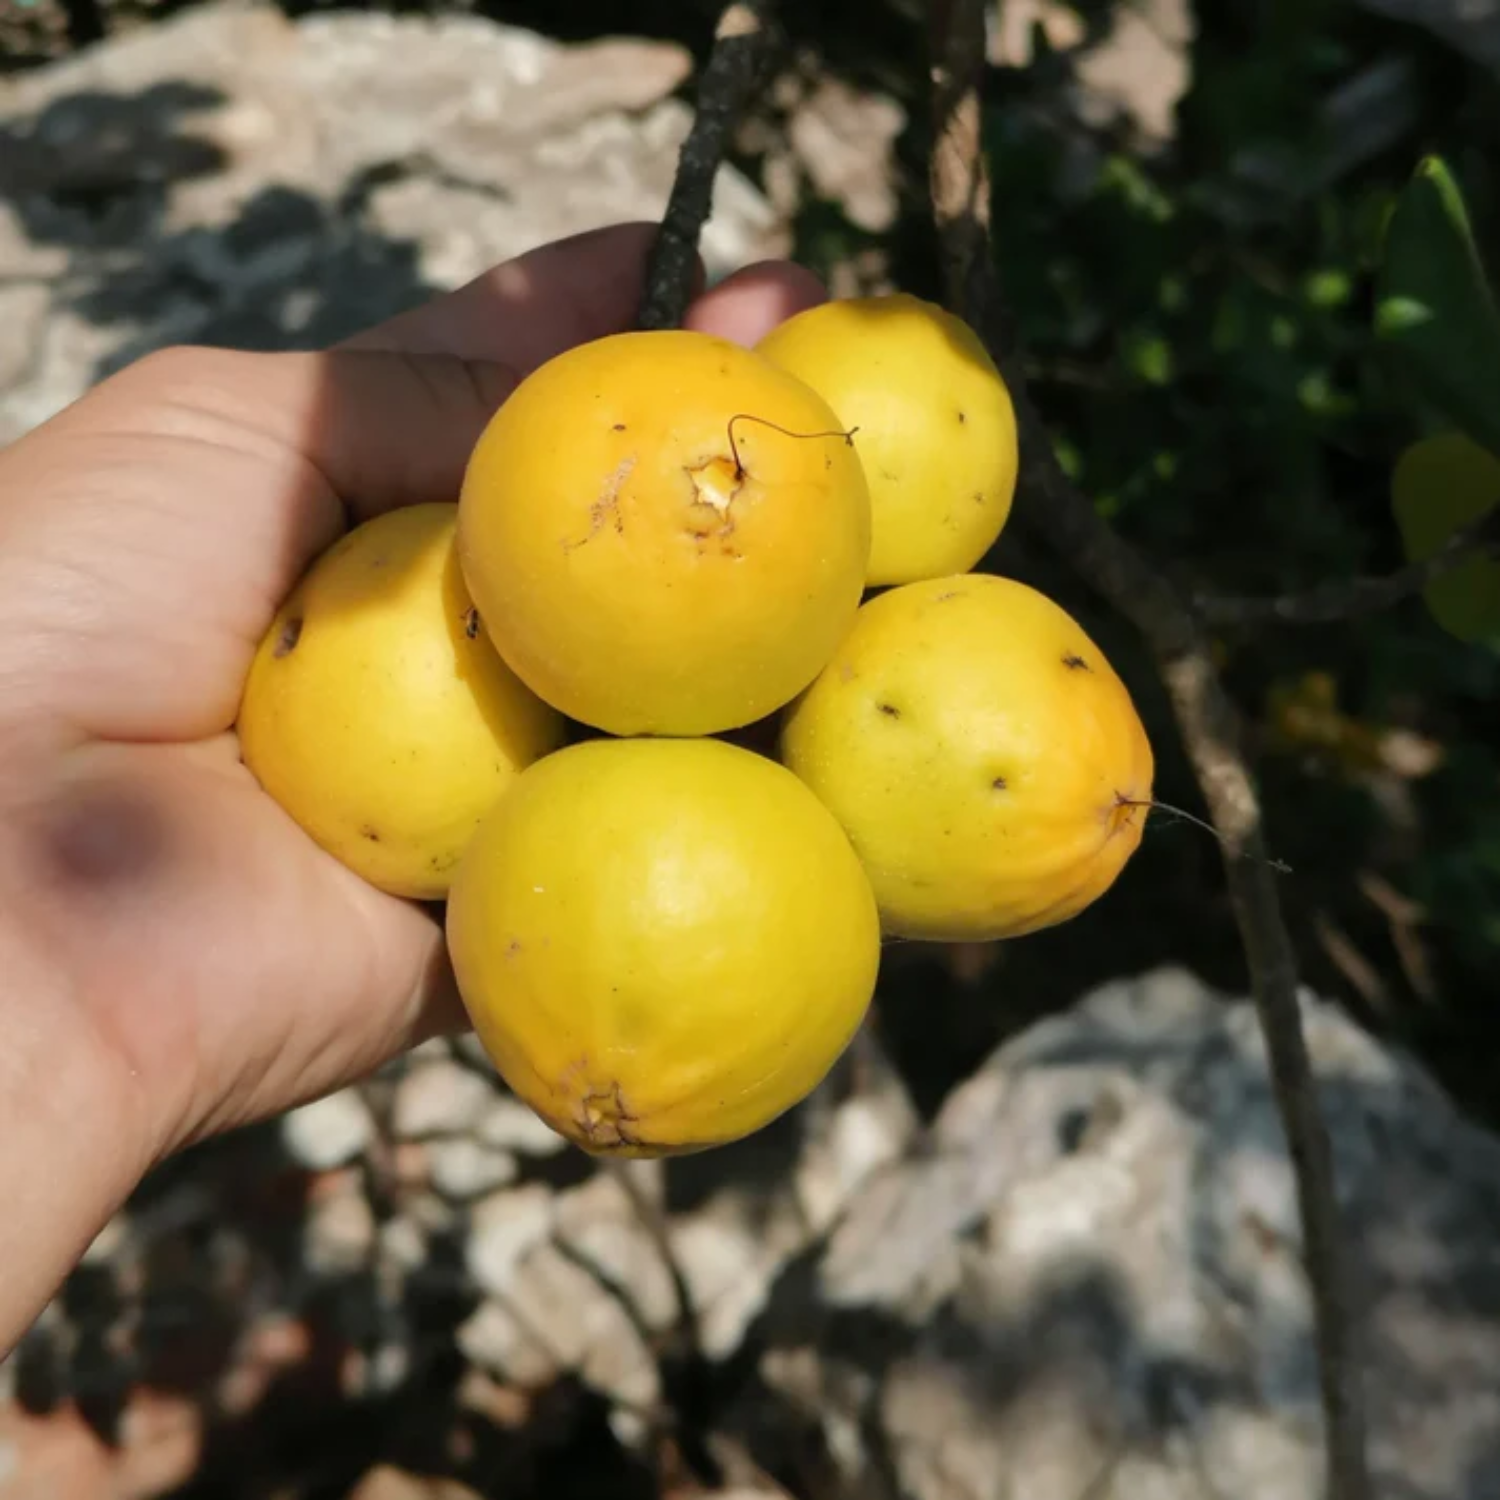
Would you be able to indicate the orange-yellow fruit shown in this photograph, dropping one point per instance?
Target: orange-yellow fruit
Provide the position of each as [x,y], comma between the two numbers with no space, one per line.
[666,533]
[982,755]
[663,943]
[376,712]
[936,427]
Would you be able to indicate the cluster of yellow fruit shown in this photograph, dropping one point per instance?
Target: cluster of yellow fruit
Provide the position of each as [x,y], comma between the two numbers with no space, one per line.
[690,698]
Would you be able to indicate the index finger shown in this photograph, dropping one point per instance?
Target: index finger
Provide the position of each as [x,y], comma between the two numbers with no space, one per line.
[533,307]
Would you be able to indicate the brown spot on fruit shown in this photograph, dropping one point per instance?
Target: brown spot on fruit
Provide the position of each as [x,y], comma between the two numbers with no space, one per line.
[889,710]
[619,427]
[370,832]
[513,948]
[963,417]
[999,784]
[291,633]
[471,623]
[605,511]
[1075,663]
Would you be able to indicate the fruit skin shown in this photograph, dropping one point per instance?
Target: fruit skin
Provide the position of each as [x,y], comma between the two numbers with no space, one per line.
[937,430]
[663,944]
[1440,484]
[377,713]
[630,577]
[977,747]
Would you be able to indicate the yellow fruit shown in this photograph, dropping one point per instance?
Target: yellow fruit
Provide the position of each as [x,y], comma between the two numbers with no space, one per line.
[937,431]
[376,712]
[666,533]
[1440,484]
[981,754]
[662,943]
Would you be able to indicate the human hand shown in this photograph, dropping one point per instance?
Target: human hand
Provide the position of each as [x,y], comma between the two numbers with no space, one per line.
[176,956]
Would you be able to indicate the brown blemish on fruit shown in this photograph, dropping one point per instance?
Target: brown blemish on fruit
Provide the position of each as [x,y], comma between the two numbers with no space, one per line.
[963,417]
[371,833]
[999,784]
[1075,663]
[944,597]
[889,710]
[604,1120]
[618,427]
[605,511]
[978,497]
[291,633]
[513,948]
[471,623]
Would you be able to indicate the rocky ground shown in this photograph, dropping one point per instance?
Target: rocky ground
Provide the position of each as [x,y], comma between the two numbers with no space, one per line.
[1079,1279]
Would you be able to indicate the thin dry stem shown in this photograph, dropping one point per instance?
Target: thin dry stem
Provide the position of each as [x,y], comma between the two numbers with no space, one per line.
[734,71]
[1331,603]
[1205,717]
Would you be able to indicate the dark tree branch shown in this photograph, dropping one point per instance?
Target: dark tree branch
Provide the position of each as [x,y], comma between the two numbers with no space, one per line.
[733,73]
[1348,599]
[1205,717]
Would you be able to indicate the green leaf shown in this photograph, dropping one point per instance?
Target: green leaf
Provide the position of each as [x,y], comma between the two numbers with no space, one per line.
[1440,484]
[1435,306]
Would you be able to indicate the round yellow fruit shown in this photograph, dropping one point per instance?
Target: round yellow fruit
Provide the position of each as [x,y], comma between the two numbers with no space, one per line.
[982,755]
[936,427]
[376,711]
[666,533]
[662,943]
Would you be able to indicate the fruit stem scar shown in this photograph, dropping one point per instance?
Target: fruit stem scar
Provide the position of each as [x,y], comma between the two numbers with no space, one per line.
[603,1118]
[717,485]
[743,416]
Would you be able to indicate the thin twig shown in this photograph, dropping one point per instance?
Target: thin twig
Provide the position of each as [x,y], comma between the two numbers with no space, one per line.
[684,1341]
[733,73]
[1348,599]
[1205,717]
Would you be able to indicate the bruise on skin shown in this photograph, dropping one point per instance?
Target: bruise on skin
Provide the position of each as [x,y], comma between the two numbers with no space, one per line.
[291,633]
[999,784]
[605,511]
[471,623]
[1075,663]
